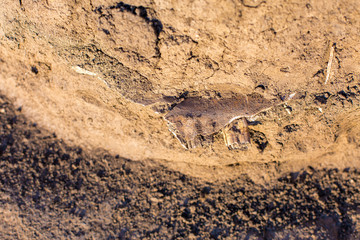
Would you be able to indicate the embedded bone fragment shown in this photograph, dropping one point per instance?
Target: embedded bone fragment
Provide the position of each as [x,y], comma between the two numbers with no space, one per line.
[198,118]
[236,134]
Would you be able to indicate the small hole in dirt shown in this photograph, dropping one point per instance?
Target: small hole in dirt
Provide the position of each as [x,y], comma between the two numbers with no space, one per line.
[260,86]
[291,128]
[106,31]
[34,69]
[259,139]
[322,98]
[343,94]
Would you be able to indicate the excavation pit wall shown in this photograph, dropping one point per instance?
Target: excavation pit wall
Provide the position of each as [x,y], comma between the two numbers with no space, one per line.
[91,72]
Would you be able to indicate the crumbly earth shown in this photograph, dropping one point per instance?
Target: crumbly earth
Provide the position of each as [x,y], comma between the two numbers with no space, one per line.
[91,73]
[50,190]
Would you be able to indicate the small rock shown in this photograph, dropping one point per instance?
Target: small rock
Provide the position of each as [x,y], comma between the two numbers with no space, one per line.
[82,213]
[285,69]
[186,213]
[291,128]
[215,233]
[294,176]
[206,190]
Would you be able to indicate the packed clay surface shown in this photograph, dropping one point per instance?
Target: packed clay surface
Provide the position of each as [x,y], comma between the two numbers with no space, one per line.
[94,72]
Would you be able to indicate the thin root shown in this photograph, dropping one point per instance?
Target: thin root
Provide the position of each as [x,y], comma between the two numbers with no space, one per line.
[328,69]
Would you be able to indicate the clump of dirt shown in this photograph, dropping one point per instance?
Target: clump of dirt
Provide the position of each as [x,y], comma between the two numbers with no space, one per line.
[49,190]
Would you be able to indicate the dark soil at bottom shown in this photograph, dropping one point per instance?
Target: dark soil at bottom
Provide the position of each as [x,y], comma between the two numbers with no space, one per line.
[57,191]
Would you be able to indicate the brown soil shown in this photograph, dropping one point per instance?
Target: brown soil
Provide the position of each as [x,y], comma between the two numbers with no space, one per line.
[50,190]
[92,74]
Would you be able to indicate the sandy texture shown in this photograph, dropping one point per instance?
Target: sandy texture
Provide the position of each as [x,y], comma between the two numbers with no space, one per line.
[86,69]
[86,152]
[49,190]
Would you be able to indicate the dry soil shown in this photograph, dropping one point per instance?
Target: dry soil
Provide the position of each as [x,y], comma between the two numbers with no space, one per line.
[86,153]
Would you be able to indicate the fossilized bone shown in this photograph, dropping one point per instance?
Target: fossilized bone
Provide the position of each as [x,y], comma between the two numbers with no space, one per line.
[197,117]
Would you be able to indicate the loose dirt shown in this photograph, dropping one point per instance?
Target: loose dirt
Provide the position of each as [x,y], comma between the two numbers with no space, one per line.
[101,75]
[50,190]
[92,73]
